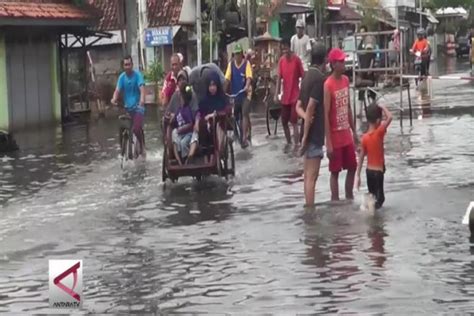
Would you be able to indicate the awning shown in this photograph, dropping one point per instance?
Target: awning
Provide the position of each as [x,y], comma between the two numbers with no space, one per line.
[343,15]
[414,18]
[79,38]
[95,39]
[267,37]
[429,17]
[294,8]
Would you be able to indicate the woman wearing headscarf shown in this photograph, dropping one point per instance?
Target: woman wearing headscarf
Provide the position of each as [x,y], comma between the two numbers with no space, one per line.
[215,102]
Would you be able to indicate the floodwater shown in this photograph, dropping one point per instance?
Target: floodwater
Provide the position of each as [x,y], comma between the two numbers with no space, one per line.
[247,245]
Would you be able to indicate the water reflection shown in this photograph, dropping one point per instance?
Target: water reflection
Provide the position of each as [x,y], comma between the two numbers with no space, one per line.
[377,235]
[192,208]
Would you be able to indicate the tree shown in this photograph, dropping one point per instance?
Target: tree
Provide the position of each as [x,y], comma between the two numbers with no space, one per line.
[369,10]
[319,16]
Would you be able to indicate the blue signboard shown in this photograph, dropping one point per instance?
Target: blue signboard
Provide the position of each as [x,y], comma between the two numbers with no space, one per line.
[159,36]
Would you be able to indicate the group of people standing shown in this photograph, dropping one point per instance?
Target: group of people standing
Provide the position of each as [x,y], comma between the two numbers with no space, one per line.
[309,92]
[321,99]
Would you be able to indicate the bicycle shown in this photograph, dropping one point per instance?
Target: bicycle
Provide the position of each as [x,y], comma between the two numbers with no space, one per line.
[236,123]
[130,148]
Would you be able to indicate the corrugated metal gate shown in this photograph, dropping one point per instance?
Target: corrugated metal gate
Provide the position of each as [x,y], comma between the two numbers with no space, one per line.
[29,81]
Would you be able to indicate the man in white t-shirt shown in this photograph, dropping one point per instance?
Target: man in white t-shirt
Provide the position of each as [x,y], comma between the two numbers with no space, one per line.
[301,44]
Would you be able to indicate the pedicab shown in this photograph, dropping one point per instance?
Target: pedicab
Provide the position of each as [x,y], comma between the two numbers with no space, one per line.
[214,156]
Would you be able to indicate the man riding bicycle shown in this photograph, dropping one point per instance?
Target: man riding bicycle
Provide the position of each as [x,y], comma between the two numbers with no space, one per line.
[422,47]
[239,76]
[132,86]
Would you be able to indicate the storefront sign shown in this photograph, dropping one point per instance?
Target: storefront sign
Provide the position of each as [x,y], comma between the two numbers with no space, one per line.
[159,36]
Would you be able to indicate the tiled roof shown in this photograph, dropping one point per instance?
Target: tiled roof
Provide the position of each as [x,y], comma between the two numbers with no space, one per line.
[164,12]
[109,13]
[44,9]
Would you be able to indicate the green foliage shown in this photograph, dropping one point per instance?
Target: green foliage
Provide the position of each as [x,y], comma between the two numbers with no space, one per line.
[369,10]
[320,15]
[154,73]
[206,38]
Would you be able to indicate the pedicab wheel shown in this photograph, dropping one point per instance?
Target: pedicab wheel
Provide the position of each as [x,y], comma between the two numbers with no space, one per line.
[164,173]
[230,148]
[225,159]
[217,155]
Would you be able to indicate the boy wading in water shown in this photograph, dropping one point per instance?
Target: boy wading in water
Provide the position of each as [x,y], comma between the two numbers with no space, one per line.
[339,125]
[310,107]
[372,147]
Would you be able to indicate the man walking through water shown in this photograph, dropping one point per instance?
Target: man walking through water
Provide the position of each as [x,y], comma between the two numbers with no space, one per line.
[290,71]
[310,107]
[132,86]
[339,125]
[301,44]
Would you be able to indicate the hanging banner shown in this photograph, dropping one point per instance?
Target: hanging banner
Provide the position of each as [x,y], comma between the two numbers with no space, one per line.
[159,36]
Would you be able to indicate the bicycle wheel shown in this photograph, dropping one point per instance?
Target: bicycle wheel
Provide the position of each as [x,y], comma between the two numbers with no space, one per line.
[237,131]
[164,172]
[124,147]
[130,146]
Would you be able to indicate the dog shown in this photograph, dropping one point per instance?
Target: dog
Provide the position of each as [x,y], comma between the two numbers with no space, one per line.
[7,142]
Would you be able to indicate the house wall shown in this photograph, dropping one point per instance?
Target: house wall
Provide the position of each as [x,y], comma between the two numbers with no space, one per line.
[107,61]
[4,115]
[55,81]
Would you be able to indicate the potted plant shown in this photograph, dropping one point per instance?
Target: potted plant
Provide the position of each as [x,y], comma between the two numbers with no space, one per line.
[154,75]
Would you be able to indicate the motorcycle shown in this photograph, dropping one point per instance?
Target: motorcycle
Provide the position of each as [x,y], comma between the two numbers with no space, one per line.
[418,66]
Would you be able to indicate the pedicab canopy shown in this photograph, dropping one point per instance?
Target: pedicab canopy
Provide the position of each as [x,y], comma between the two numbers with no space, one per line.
[197,78]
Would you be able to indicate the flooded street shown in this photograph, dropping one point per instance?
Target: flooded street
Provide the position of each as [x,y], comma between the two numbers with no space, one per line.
[247,245]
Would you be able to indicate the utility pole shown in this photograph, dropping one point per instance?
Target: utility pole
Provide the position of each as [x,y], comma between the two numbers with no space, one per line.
[421,15]
[213,47]
[249,22]
[132,26]
[142,24]
[121,13]
[199,32]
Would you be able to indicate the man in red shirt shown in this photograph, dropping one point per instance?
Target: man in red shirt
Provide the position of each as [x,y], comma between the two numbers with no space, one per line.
[340,132]
[171,81]
[290,70]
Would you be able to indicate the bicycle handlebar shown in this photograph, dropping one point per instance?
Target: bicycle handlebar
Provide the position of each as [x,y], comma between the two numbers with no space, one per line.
[233,96]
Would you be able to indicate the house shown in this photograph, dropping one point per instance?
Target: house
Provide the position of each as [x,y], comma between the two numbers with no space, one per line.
[171,29]
[30,68]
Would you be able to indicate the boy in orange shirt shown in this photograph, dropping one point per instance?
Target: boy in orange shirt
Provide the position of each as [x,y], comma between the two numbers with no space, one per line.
[372,147]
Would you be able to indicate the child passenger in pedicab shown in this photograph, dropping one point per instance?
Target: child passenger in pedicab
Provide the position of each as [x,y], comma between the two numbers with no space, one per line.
[214,103]
[182,121]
